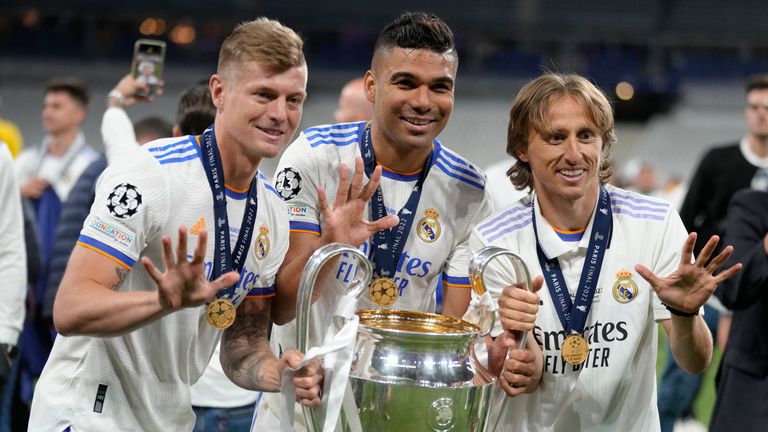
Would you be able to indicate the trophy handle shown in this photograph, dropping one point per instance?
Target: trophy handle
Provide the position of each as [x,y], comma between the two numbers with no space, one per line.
[304,299]
[477,266]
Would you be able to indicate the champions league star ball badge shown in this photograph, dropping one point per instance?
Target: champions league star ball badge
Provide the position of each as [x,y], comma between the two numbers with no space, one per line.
[124,201]
[288,183]
[625,289]
[262,243]
[428,228]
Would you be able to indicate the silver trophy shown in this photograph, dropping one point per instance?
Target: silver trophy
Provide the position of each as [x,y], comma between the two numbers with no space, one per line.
[477,266]
[410,371]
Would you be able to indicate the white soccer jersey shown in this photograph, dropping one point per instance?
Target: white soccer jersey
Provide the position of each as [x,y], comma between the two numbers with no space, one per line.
[615,389]
[453,200]
[140,381]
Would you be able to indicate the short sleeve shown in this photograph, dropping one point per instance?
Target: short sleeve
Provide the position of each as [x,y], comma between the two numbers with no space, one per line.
[456,273]
[130,206]
[296,181]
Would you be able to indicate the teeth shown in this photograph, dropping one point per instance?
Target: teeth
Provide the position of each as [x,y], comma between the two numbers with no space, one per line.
[572,173]
[418,122]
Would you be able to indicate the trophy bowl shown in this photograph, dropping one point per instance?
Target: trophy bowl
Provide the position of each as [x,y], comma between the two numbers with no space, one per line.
[414,371]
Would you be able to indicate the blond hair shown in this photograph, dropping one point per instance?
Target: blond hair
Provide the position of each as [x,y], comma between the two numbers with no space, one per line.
[274,46]
[529,114]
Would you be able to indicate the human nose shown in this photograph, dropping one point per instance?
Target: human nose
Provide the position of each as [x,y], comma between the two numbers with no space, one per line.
[572,153]
[278,110]
[421,101]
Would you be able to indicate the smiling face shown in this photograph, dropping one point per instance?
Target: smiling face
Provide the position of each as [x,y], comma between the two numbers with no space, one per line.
[258,110]
[565,158]
[412,93]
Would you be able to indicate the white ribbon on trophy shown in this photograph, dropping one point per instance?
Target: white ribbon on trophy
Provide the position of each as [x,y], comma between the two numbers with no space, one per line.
[337,350]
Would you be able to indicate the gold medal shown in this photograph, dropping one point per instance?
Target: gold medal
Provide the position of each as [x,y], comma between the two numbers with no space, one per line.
[383,292]
[220,313]
[575,349]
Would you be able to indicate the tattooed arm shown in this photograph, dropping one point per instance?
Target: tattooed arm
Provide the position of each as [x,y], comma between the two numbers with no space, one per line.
[248,361]
[246,356]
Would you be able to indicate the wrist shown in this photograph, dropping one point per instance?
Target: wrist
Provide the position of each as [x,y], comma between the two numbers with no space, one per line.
[680,313]
[115,99]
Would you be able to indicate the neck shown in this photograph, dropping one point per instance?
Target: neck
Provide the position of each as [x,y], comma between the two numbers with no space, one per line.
[60,142]
[395,156]
[758,145]
[239,169]
[569,215]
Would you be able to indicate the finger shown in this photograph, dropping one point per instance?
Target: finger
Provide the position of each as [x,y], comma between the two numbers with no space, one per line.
[153,271]
[537,283]
[507,387]
[386,222]
[372,185]
[343,190]
[181,245]
[224,281]
[728,273]
[648,275]
[322,200]
[721,258]
[199,255]
[707,251]
[685,257]
[357,179]
[167,253]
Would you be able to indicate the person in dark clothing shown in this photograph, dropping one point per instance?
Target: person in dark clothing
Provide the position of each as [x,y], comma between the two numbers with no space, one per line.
[722,172]
[742,381]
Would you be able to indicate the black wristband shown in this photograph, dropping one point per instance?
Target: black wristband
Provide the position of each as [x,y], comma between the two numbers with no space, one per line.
[678,312]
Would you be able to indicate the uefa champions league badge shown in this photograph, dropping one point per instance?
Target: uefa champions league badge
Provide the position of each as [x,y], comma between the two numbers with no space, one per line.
[428,228]
[625,289]
[124,201]
[262,243]
[288,183]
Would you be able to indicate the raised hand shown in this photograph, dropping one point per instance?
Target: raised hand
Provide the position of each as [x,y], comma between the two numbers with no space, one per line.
[346,222]
[691,285]
[183,284]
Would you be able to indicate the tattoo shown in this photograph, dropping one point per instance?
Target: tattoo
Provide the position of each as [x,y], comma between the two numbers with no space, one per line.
[122,273]
[245,347]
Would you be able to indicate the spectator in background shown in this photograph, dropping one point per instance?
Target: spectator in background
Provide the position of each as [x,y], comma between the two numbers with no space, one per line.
[354,106]
[46,175]
[152,128]
[742,381]
[721,173]
[10,135]
[13,272]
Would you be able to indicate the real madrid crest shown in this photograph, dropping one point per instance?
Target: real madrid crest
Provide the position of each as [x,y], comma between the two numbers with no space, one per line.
[262,243]
[625,289]
[428,228]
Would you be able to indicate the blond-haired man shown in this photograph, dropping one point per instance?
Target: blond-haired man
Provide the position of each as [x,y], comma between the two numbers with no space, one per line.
[133,338]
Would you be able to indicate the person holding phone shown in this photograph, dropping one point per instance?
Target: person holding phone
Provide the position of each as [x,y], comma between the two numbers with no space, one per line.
[134,337]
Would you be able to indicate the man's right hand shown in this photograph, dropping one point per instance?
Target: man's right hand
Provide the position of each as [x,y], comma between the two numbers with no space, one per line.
[183,284]
[346,222]
[128,88]
[34,188]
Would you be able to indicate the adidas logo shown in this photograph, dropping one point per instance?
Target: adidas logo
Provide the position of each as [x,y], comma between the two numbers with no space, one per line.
[198,226]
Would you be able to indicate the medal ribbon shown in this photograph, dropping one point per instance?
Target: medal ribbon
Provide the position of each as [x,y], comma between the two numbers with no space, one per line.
[224,258]
[388,245]
[573,315]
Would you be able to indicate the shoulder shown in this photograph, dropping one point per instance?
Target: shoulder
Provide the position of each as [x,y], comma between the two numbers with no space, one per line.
[167,151]
[723,150]
[268,191]
[458,169]
[509,221]
[328,138]
[638,207]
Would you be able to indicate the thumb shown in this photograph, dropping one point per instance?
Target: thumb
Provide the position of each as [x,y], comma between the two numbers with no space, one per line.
[292,358]
[386,222]
[537,283]
[648,275]
[224,281]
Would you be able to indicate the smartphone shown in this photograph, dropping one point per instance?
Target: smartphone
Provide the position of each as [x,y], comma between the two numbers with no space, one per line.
[148,62]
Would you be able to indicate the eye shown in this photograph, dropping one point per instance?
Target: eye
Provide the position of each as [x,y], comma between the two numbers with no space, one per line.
[405,84]
[587,135]
[556,138]
[441,88]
